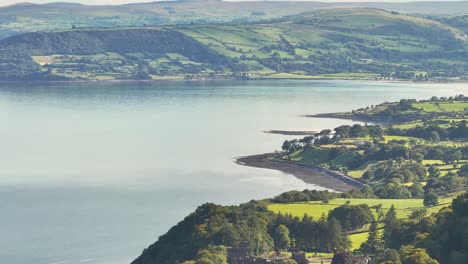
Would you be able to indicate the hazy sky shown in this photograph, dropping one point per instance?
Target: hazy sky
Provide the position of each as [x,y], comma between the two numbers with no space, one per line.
[115,2]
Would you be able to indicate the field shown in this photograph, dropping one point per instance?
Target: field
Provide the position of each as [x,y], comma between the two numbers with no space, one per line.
[31,17]
[404,207]
[357,240]
[444,168]
[441,107]
[320,155]
[296,47]
[314,155]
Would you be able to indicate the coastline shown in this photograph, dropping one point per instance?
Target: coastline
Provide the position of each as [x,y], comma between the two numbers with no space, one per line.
[349,116]
[290,133]
[182,79]
[311,174]
[375,119]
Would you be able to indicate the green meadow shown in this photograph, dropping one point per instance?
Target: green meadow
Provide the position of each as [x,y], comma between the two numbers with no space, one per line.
[316,209]
[431,107]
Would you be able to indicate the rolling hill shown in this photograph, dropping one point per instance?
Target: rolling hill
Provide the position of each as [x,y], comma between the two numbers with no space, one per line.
[358,43]
[35,17]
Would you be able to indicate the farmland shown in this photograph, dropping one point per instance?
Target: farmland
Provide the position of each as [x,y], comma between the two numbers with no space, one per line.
[28,17]
[316,209]
[422,148]
[441,107]
[328,44]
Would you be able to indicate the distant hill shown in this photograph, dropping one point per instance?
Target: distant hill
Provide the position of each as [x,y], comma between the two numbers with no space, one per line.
[358,43]
[33,17]
[21,55]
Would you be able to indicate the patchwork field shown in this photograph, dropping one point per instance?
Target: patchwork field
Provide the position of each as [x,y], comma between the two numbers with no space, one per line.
[404,207]
[441,106]
[328,44]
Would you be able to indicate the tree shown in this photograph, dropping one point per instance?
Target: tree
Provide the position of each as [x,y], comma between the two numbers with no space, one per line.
[390,216]
[418,214]
[306,141]
[390,221]
[376,132]
[391,256]
[211,255]
[337,240]
[463,170]
[374,243]
[325,132]
[453,156]
[367,192]
[435,137]
[281,238]
[343,258]
[430,199]
[343,131]
[412,255]
[286,146]
[352,217]
[448,239]
[434,172]
[416,190]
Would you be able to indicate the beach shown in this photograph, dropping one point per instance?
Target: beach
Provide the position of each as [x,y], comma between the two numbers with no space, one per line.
[310,174]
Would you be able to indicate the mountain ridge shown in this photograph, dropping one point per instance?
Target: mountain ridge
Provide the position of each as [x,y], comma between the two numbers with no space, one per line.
[16,19]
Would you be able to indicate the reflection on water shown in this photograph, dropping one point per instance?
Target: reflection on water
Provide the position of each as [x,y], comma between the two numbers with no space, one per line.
[94,172]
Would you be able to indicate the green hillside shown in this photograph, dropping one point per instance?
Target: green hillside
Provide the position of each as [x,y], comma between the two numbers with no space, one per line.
[28,17]
[337,44]
[99,54]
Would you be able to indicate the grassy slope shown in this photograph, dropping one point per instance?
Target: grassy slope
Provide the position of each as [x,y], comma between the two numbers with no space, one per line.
[31,17]
[316,209]
[311,37]
[318,155]
[320,29]
[404,208]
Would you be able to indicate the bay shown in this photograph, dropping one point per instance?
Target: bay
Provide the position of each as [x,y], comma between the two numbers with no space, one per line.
[94,172]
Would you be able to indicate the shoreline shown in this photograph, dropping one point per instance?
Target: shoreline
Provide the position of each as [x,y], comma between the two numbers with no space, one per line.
[290,133]
[175,80]
[360,118]
[310,174]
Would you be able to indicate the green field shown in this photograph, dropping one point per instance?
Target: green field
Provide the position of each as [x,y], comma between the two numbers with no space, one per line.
[357,240]
[345,44]
[316,209]
[408,125]
[404,208]
[441,107]
[313,155]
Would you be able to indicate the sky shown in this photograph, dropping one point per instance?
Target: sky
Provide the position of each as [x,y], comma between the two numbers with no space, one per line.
[117,2]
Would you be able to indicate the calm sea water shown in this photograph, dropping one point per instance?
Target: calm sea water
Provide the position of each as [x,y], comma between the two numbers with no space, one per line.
[95,172]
